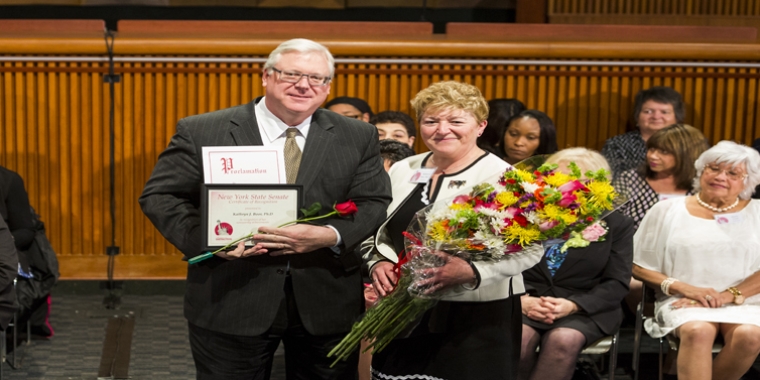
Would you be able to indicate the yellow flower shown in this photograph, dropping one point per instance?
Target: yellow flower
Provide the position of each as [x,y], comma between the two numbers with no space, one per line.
[460,206]
[525,176]
[557,213]
[515,234]
[526,204]
[438,231]
[602,194]
[506,198]
[558,179]
[582,202]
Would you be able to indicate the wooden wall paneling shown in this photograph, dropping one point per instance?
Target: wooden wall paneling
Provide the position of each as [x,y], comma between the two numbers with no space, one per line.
[559,114]
[65,186]
[582,105]
[740,126]
[731,119]
[752,117]
[138,157]
[75,136]
[551,96]
[590,129]
[603,114]
[393,90]
[698,102]
[571,126]
[707,110]
[405,92]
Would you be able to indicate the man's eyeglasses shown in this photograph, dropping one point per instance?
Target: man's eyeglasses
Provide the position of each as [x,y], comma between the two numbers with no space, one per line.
[293,77]
[714,170]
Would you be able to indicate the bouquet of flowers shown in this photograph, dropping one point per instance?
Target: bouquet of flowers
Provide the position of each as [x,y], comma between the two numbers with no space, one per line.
[518,211]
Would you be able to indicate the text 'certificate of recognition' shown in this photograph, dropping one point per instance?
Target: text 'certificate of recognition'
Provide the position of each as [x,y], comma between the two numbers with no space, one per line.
[243,164]
[237,210]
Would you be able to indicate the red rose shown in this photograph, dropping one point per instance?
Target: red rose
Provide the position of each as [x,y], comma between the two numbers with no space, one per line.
[346,208]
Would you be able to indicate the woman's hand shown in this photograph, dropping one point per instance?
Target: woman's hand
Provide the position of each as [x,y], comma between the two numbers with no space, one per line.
[533,308]
[559,307]
[706,297]
[383,278]
[454,272]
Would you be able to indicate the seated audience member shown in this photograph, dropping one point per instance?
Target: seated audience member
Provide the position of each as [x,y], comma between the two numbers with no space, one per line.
[395,125]
[655,108]
[15,209]
[701,253]
[500,111]
[8,270]
[347,106]
[529,133]
[394,151]
[573,298]
[668,171]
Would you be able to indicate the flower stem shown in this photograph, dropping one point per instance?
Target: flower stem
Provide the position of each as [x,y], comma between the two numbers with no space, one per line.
[308,219]
[208,255]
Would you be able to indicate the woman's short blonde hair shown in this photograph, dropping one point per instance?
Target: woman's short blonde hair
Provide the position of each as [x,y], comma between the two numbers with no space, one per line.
[451,95]
[586,159]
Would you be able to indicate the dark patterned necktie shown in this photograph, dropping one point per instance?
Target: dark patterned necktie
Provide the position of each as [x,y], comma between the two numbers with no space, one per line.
[292,155]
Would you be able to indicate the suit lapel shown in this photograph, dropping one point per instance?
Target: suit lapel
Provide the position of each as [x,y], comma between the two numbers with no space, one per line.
[243,126]
[319,140]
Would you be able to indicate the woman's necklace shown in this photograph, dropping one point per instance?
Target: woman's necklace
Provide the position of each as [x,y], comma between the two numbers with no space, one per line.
[715,209]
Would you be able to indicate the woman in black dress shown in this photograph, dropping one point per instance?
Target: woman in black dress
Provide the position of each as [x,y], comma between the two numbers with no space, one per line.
[573,298]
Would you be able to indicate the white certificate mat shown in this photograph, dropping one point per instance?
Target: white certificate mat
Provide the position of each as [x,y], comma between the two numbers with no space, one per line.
[234,211]
[243,164]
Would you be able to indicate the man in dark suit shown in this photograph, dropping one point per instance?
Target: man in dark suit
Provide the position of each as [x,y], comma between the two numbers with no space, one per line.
[299,284]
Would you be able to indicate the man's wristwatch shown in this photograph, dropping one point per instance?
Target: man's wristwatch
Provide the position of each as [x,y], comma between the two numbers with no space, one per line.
[738,297]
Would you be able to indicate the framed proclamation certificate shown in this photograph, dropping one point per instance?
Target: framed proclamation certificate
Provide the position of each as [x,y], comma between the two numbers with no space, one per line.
[231,211]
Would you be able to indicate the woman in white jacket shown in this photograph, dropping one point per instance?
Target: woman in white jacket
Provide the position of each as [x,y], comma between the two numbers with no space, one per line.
[474,331]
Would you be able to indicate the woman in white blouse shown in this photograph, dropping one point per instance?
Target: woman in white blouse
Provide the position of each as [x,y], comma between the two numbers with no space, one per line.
[702,254]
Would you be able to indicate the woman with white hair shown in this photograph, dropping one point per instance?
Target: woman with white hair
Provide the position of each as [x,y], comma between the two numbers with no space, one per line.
[702,255]
[573,298]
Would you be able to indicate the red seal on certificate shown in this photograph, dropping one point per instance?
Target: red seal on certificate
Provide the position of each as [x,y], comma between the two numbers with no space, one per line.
[223,229]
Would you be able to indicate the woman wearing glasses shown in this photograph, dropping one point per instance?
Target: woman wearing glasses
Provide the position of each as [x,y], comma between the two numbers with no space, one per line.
[655,108]
[702,254]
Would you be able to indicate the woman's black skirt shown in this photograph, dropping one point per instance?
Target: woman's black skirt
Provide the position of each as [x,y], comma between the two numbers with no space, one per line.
[457,341]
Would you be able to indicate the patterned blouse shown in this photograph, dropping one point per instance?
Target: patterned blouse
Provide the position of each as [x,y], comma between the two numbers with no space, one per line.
[641,196]
[625,152]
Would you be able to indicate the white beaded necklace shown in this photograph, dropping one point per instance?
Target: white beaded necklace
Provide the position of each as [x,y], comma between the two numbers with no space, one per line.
[715,209]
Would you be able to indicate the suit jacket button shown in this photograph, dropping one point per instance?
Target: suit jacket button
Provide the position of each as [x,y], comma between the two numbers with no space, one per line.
[281,271]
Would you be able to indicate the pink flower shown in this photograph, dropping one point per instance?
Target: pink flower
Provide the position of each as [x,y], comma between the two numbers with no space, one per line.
[593,232]
[567,199]
[548,225]
[571,186]
[461,199]
[510,212]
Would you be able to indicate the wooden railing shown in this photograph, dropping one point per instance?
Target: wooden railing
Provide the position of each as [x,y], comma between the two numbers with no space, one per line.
[657,7]
[54,110]
[655,12]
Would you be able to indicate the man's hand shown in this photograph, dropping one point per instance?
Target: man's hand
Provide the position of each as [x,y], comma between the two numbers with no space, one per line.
[298,238]
[240,251]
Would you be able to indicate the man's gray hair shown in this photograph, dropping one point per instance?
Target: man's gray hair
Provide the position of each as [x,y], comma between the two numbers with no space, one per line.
[733,154]
[300,45]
